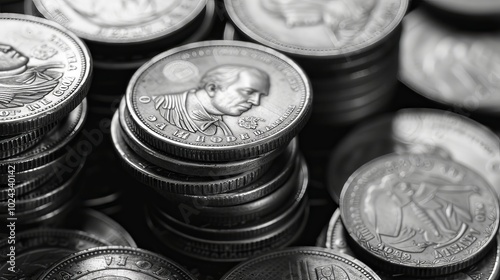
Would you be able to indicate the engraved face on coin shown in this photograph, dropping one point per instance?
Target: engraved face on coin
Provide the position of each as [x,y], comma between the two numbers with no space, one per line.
[419,214]
[301,263]
[116,262]
[121,21]
[218,100]
[316,27]
[450,66]
[44,73]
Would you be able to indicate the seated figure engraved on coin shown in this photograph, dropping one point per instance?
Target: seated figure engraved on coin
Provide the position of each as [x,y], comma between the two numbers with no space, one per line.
[21,83]
[343,19]
[427,212]
[122,12]
[225,90]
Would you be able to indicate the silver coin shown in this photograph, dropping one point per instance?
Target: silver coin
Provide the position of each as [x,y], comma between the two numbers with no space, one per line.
[302,263]
[487,268]
[116,262]
[187,167]
[36,250]
[317,28]
[165,181]
[23,187]
[45,73]
[13,145]
[450,66]
[419,215]
[417,131]
[250,100]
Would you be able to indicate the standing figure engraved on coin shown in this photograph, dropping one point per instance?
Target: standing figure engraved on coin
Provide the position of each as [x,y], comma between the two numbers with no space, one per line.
[22,84]
[426,214]
[224,90]
[343,19]
[122,12]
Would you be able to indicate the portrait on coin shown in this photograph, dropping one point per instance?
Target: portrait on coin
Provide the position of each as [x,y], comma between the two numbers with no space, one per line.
[225,90]
[343,19]
[423,213]
[21,83]
[122,13]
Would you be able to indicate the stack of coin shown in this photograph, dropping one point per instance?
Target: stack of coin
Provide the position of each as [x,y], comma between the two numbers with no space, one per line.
[419,131]
[419,215]
[44,78]
[210,126]
[452,66]
[349,49]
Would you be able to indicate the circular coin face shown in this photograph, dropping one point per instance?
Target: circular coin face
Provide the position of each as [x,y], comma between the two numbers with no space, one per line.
[117,263]
[450,66]
[44,73]
[121,21]
[419,215]
[302,263]
[314,28]
[218,101]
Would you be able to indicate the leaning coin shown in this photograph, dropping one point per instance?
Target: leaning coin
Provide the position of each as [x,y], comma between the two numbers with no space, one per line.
[486,269]
[420,215]
[302,263]
[44,75]
[116,262]
[324,29]
[167,182]
[218,101]
[38,249]
[449,66]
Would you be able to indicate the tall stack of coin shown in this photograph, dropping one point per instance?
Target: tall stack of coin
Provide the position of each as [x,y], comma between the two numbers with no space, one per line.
[210,127]
[44,77]
[455,67]
[122,35]
[349,49]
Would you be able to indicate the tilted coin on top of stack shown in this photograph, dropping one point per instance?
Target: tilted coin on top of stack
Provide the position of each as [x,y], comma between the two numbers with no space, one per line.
[211,126]
[419,215]
[488,268]
[45,74]
[349,49]
[431,131]
[455,67]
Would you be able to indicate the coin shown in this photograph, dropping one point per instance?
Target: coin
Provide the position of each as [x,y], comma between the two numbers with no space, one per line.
[450,66]
[102,226]
[13,145]
[301,263]
[419,215]
[326,29]
[487,268]
[165,181]
[417,131]
[22,187]
[187,167]
[46,73]
[251,100]
[36,250]
[116,262]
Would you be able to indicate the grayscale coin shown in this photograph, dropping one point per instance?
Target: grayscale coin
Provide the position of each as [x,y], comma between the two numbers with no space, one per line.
[116,262]
[302,263]
[419,215]
[44,73]
[218,101]
[450,66]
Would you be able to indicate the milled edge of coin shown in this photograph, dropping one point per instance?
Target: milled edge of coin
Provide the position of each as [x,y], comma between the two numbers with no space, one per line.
[63,107]
[187,167]
[14,145]
[266,39]
[152,176]
[99,251]
[367,272]
[168,31]
[222,153]
[40,156]
[397,265]
[21,188]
